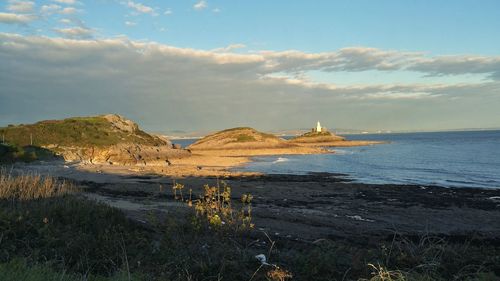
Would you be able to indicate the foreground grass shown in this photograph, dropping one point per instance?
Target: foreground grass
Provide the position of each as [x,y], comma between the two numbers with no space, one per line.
[20,270]
[58,235]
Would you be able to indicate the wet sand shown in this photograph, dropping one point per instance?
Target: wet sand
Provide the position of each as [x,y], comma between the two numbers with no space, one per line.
[325,206]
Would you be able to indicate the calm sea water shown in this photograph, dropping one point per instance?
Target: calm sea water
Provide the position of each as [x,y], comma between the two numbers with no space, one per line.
[452,159]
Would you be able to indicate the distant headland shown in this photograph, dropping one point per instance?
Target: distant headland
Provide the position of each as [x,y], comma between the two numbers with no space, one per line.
[112,140]
[320,136]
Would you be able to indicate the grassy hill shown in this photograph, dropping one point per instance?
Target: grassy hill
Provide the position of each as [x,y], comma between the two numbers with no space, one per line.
[239,138]
[99,131]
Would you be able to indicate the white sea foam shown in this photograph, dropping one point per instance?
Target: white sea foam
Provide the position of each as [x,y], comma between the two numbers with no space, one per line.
[359,218]
[281,159]
[342,152]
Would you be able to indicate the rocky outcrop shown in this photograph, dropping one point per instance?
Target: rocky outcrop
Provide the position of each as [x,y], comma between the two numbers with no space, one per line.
[120,123]
[165,140]
[124,154]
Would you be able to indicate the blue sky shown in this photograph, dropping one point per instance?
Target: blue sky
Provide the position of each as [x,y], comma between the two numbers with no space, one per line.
[438,27]
[396,65]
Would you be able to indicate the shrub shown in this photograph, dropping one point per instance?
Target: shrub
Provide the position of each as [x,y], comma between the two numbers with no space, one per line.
[244,138]
[215,205]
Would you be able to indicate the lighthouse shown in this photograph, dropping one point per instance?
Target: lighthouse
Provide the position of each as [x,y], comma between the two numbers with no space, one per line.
[318,127]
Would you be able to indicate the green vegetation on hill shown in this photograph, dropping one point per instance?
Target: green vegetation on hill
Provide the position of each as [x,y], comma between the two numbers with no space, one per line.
[316,137]
[249,131]
[12,153]
[244,138]
[77,131]
[233,129]
[316,134]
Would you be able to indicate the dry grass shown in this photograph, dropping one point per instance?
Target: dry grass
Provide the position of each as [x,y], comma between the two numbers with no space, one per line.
[379,273]
[427,252]
[32,186]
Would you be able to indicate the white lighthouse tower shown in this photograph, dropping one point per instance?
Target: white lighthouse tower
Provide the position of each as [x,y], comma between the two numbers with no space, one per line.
[318,127]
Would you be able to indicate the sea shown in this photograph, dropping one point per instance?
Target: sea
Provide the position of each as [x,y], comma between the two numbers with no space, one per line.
[449,159]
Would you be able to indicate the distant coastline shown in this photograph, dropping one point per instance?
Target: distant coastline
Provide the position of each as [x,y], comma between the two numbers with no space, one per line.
[287,134]
[112,143]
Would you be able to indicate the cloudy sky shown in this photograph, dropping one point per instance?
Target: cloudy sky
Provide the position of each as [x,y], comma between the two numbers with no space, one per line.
[207,65]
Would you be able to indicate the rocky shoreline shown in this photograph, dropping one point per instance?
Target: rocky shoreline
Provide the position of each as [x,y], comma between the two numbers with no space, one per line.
[310,207]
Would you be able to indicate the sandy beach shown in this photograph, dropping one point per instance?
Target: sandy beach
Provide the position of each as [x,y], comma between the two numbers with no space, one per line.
[202,163]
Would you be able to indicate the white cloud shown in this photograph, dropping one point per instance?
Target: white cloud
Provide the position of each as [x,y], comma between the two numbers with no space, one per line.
[21,6]
[141,8]
[168,12]
[229,48]
[65,21]
[73,21]
[75,32]
[216,10]
[156,83]
[67,2]
[453,65]
[399,95]
[50,9]
[12,18]
[130,23]
[47,10]
[68,11]
[358,59]
[200,5]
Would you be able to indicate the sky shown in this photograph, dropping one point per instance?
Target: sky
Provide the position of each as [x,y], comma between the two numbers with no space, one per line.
[273,65]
